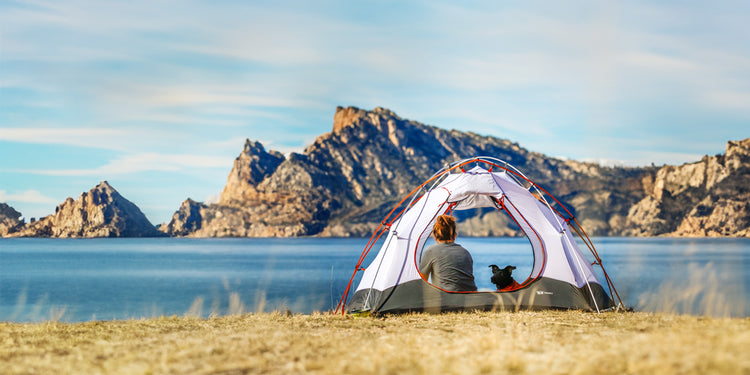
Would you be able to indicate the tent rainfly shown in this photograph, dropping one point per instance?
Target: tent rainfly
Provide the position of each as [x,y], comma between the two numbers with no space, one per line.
[561,276]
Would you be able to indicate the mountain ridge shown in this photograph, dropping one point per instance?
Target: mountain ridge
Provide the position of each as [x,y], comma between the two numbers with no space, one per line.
[100,212]
[347,179]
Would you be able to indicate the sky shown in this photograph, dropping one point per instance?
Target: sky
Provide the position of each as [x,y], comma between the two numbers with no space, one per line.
[158,97]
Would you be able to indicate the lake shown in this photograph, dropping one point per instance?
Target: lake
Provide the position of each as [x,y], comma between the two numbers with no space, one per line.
[103,279]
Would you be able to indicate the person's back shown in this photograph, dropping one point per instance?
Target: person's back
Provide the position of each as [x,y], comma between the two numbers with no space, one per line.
[450,266]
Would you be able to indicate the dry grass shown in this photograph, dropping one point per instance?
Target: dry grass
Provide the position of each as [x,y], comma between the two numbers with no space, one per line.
[550,342]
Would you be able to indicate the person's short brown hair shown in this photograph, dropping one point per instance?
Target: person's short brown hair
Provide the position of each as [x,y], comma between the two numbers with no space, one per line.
[445,228]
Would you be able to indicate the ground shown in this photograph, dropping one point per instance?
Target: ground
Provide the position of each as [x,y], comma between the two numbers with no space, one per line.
[550,342]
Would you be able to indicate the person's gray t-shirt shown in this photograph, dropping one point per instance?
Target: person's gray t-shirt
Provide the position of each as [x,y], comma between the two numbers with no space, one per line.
[450,266]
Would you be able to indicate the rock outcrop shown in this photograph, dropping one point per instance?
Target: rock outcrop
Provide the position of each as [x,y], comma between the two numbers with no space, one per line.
[710,197]
[250,168]
[10,220]
[348,179]
[100,212]
[345,182]
[186,220]
[260,199]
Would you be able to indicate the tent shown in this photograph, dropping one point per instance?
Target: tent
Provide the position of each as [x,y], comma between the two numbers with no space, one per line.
[561,276]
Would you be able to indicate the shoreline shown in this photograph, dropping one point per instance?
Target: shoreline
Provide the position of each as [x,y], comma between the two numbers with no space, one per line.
[525,342]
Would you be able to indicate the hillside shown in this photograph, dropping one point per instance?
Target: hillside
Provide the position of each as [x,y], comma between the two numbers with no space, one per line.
[345,182]
[347,179]
[710,197]
[100,212]
[10,219]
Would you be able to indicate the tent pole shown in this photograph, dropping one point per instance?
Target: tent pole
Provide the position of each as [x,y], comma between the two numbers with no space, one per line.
[570,246]
[590,245]
[391,235]
[583,273]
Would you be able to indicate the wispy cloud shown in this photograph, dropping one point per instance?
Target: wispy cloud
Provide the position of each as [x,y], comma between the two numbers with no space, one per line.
[220,95]
[143,162]
[160,84]
[85,137]
[733,100]
[27,196]
[120,138]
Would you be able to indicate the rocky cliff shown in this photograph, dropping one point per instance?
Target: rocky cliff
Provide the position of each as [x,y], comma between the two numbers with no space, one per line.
[266,195]
[10,219]
[100,212]
[346,181]
[710,197]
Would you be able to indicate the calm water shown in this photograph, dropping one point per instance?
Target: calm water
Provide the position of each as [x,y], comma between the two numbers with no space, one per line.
[90,279]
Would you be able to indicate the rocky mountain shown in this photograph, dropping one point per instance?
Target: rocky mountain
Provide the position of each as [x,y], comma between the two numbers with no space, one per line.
[100,212]
[10,219]
[347,179]
[345,182]
[710,197]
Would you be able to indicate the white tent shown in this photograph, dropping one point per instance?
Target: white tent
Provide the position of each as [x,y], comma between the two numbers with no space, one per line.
[561,276]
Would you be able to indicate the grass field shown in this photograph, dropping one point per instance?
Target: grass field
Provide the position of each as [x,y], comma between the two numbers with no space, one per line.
[550,342]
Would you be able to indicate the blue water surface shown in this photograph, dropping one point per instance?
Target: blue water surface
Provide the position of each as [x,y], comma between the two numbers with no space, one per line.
[98,279]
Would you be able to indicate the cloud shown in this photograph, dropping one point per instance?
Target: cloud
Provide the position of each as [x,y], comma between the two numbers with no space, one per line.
[86,137]
[28,196]
[135,31]
[121,138]
[143,162]
[221,95]
[732,100]
[515,71]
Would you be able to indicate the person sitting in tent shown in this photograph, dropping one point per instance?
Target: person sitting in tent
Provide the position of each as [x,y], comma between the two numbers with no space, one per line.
[449,264]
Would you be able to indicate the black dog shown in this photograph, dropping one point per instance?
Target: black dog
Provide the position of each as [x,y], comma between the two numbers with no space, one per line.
[502,277]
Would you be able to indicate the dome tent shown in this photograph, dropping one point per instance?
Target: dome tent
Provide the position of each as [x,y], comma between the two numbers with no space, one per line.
[561,276]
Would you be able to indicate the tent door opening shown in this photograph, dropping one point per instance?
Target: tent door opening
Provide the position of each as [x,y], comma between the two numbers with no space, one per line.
[474,225]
